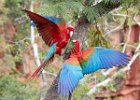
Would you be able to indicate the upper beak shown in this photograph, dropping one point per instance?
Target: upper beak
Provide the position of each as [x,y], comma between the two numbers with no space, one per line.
[71,33]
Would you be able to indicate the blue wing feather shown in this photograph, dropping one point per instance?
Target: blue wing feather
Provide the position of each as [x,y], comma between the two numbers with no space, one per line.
[69,78]
[51,51]
[103,58]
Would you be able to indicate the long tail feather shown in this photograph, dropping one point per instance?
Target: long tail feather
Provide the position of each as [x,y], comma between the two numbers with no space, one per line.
[49,56]
[39,69]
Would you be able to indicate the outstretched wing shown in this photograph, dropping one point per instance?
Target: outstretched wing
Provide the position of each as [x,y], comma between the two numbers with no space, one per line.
[102,58]
[61,23]
[69,77]
[49,31]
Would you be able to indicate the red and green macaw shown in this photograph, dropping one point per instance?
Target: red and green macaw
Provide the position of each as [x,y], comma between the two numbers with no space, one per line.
[85,62]
[55,35]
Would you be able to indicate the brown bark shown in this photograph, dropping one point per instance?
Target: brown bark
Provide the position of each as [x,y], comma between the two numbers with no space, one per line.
[120,36]
[81,29]
[52,91]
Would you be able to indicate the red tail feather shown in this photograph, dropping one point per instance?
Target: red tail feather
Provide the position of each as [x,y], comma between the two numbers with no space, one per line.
[40,68]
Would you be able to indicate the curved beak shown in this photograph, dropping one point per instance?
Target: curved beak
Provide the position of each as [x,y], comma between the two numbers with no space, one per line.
[71,33]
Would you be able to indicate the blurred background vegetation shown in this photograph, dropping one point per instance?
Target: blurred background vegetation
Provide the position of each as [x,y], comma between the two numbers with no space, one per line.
[17,61]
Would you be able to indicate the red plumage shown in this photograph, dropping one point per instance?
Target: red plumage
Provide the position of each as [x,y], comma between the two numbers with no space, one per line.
[51,33]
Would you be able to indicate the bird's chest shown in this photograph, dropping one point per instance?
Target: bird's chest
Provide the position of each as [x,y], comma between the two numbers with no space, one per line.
[59,48]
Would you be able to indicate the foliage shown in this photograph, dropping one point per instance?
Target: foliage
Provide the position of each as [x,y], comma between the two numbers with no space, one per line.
[67,9]
[14,7]
[80,91]
[3,13]
[68,49]
[71,10]
[13,89]
[95,38]
[10,87]
[6,62]
[10,10]
[111,87]
[104,7]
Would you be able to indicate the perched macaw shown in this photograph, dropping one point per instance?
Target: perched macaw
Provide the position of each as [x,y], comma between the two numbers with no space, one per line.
[55,35]
[86,62]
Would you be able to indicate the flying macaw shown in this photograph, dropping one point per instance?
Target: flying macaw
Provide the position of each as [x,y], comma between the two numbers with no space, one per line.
[55,35]
[85,62]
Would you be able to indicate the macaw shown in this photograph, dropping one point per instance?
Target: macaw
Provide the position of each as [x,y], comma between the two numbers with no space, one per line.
[55,35]
[85,62]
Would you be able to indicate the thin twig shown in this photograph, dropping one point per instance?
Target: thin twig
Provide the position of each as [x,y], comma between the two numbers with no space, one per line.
[128,38]
[96,2]
[122,15]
